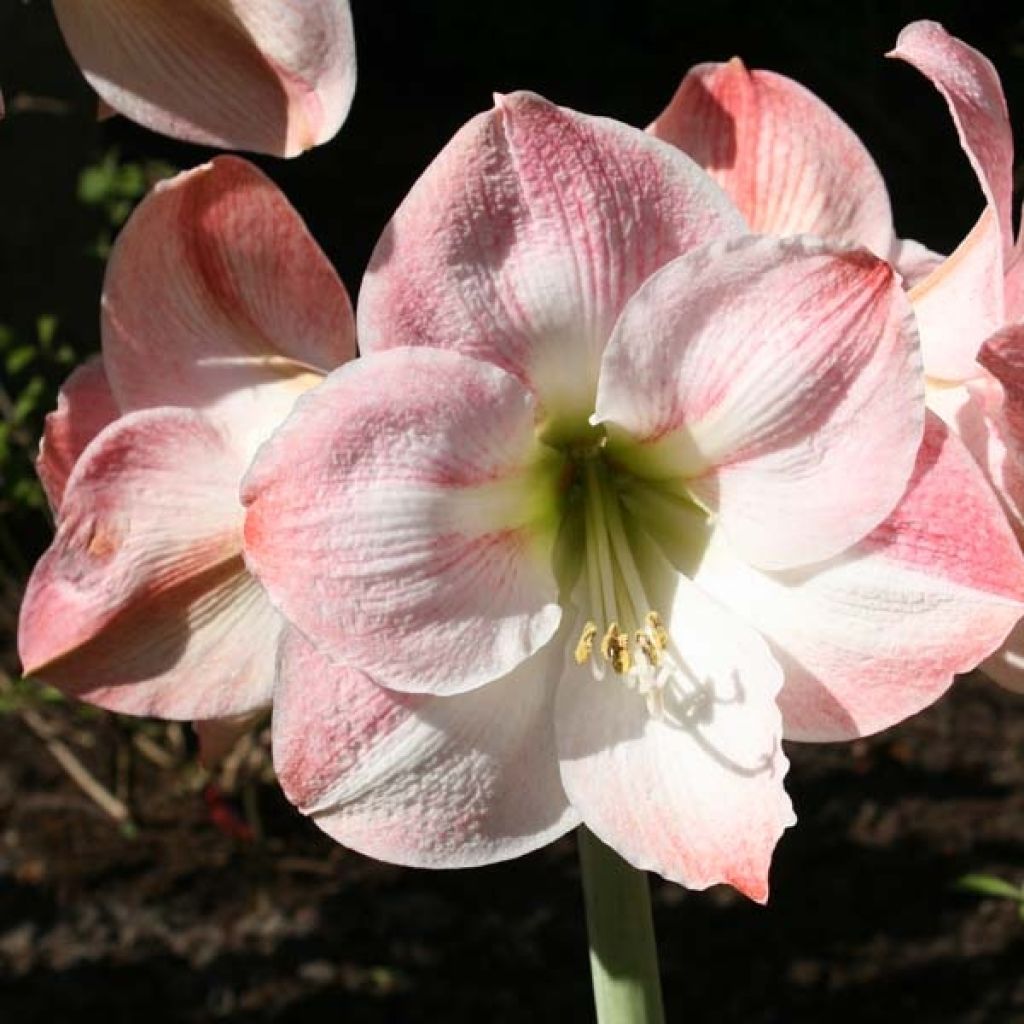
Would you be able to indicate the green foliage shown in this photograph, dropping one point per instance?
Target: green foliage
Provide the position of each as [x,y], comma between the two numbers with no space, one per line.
[990,885]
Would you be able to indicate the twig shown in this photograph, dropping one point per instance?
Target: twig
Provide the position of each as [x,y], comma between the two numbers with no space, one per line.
[77,772]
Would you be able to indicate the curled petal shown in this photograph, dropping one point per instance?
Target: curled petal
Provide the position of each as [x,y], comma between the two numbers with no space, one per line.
[971,88]
[236,74]
[85,406]
[415,779]
[759,374]
[398,519]
[218,298]
[524,239]
[790,164]
[142,603]
[875,635]
[914,261]
[695,794]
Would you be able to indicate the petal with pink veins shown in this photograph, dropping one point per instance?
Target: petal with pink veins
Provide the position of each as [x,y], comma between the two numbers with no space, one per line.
[876,634]
[766,377]
[85,406]
[695,794]
[393,520]
[142,603]
[971,88]
[236,74]
[786,159]
[218,298]
[525,238]
[428,781]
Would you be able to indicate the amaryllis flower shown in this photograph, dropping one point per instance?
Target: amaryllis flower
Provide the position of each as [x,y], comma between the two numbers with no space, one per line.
[617,497]
[971,309]
[219,309]
[787,160]
[266,75]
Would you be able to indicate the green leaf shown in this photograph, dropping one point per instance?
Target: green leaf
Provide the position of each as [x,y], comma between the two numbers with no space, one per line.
[989,885]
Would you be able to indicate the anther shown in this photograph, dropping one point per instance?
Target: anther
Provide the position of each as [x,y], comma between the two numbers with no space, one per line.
[648,648]
[615,649]
[657,631]
[585,647]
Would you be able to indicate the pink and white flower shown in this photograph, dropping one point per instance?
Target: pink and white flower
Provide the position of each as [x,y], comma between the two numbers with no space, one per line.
[238,74]
[219,309]
[617,497]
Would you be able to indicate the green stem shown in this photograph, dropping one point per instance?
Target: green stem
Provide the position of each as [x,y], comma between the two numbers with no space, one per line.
[623,955]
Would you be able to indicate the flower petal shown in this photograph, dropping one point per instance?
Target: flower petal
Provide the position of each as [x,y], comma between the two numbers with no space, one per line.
[524,239]
[960,303]
[779,382]
[85,406]
[235,74]
[697,795]
[219,736]
[218,298]
[443,782]
[142,604]
[875,635]
[789,163]
[970,86]
[393,520]
[914,261]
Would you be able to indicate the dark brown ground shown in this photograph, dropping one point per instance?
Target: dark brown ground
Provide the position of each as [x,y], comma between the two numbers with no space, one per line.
[184,923]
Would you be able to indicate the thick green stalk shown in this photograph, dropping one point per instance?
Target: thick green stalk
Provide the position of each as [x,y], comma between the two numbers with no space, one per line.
[623,954]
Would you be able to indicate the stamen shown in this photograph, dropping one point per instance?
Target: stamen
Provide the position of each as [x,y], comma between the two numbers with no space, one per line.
[648,647]
[615,649]
[585,647]
[657,631]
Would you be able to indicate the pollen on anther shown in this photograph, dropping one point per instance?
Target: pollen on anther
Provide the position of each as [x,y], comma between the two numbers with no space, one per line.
[585,646]
[656,630]
[615,649]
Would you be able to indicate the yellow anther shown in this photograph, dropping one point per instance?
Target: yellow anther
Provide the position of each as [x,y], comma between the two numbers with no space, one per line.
[585,647]
[648,648]
[615,649]
[656,630]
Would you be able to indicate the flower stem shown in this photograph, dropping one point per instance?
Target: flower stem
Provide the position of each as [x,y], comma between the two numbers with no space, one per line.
[623,955]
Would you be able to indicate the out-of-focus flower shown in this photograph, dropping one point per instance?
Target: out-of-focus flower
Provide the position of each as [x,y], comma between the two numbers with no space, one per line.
[970,309]
[788,161]
[264,75]
[614,483]
[219,309]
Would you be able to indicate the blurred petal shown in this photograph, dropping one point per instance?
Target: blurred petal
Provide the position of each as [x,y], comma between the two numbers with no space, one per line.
[392,520]
[413,779]
[85,406]
[970,86]
[695,795]
[219,736]
[779,382]
[218,298]
[142,604]
[524,239]
[236,74]
[875,635]
[790,164]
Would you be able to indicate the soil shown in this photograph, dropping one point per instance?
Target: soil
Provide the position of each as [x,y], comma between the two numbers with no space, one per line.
[192,919]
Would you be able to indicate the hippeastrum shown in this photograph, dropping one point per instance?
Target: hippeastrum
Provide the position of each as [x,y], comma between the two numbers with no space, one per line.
[619,497]
[791,164]
[273,76]
[218,310]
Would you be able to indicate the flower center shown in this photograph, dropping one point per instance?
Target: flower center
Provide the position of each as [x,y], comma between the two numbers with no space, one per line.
[624,633]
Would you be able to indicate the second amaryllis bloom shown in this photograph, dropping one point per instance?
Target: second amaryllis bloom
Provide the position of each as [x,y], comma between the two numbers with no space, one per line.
[219,309]
[617,498]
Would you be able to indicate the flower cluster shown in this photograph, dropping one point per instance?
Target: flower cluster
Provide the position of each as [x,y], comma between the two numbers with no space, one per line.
[661,448]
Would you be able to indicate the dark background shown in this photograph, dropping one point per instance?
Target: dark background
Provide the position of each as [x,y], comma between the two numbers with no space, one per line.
[176,920]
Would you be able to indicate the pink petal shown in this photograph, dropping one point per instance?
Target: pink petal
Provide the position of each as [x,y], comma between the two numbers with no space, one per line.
[696,796]
[243,74]
[779,382]
[393,520]
[428,781]
[789,163]
[217,297]
[913,261]
[142,604]
[877,634]
[959,304]
[970,86]
[84,407]
[524,239]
